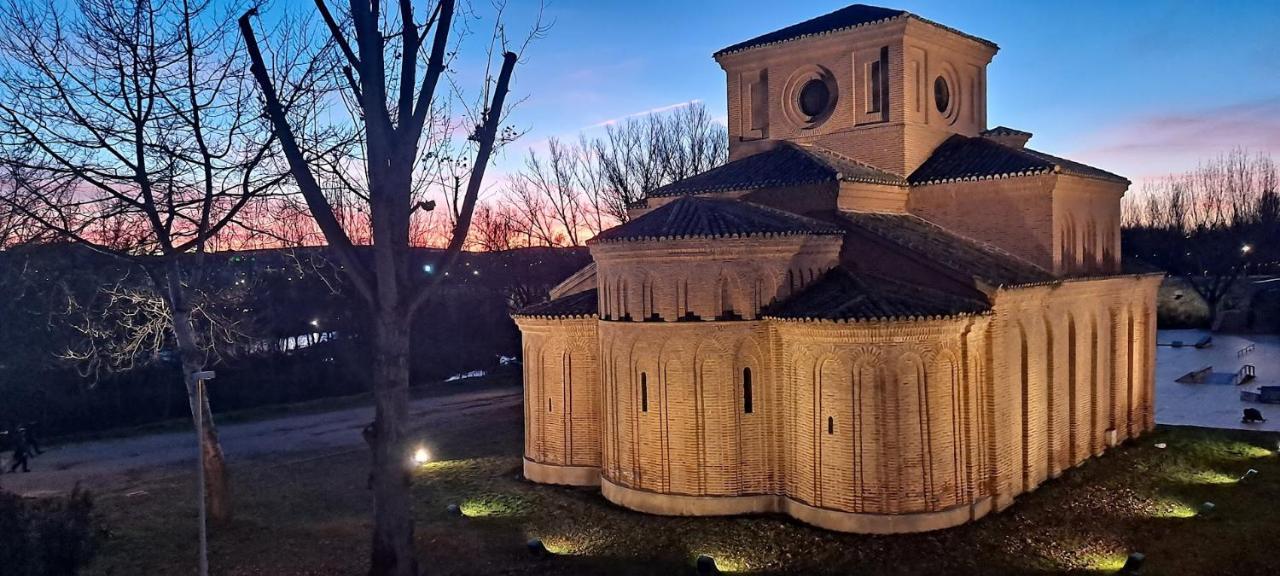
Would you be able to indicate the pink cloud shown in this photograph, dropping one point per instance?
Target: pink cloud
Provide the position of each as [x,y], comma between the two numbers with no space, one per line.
[1156,145]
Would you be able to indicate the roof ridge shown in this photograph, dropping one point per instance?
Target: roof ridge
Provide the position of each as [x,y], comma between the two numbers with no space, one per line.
[815,27]
[818,151]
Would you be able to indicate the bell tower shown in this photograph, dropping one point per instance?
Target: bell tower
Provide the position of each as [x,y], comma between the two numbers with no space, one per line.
[881,86]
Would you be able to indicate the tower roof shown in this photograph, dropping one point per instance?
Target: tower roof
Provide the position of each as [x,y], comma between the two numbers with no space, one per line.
[851,16]
[695,217]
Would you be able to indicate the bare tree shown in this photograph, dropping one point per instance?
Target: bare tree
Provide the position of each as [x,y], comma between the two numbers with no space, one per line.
[642,154]
[1208,225]
[572,191]
[495,228]
[391,71]
[122,125]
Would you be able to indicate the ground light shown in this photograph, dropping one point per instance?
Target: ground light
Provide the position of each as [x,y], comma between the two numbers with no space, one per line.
[536,548]
[421,456]
[1248,474]
[706,565]
[453,510]
[1206,509]
[1133,564]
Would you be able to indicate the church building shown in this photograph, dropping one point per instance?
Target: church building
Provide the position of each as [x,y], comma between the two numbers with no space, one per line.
[881,315]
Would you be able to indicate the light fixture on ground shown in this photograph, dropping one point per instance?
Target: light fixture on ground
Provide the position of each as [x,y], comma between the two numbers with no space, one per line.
[706,565]
[1206,509]
[536,548]
[1248,474]
[1133,564]
[421,456]
[453,510]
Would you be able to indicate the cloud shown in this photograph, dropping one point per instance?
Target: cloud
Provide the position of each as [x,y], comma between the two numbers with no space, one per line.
[1159,144]
[657,110]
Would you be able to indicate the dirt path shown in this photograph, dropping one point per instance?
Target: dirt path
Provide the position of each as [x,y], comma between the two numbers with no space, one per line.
[124,463]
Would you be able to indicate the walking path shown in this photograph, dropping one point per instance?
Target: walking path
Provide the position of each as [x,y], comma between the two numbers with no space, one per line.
[120,463]
[1214,405]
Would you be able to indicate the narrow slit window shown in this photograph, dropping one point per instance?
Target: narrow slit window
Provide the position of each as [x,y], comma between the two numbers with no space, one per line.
[747,406]
[644,392]
[873,90]
[831,425]
[548,404]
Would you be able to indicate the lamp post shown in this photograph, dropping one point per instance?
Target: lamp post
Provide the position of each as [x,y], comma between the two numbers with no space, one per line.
[200,378]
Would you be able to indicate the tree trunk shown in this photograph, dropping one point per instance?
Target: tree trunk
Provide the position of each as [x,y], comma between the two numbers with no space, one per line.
[217,489]
[393,553]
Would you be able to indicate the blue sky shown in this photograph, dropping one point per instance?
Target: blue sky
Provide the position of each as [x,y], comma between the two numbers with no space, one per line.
[1140,88]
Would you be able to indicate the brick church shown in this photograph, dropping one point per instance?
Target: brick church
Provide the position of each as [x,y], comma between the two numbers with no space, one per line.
[879,316]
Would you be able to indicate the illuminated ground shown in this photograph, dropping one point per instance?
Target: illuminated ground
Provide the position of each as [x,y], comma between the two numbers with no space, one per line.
[308,514]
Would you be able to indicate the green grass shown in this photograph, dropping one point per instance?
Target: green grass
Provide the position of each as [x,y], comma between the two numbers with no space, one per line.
[312,517]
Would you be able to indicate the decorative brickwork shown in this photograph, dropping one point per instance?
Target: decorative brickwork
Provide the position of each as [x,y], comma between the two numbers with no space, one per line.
[913,354]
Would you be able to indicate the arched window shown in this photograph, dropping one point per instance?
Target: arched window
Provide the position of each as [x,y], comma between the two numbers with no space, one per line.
[644,392]
[746,391]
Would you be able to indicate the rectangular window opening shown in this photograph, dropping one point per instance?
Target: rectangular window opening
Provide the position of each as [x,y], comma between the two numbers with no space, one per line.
[644,392]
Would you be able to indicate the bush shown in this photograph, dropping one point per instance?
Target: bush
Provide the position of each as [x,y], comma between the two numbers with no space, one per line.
[46,536]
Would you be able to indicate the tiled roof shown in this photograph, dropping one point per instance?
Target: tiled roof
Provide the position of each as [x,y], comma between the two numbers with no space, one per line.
[578,304]
[845,18]
[849,170]
[959,254]
[698,217]
[785,165]
[1004,131]
[964,158]
[843,295]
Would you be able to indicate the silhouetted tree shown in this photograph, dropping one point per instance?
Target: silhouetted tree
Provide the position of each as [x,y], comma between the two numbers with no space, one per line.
[390,87]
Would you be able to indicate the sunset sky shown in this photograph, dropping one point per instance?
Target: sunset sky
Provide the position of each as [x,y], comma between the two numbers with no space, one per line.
[1139,88]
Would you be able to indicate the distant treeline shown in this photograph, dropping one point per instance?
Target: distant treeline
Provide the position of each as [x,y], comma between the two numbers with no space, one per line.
[82,347]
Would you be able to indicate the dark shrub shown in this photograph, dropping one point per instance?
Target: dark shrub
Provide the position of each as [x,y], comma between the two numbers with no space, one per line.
[45,536]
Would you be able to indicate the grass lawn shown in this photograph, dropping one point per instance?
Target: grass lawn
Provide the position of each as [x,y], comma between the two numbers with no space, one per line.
[311,516]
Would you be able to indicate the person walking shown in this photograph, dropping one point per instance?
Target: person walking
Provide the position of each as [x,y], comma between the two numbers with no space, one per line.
[20,450]
[29,433]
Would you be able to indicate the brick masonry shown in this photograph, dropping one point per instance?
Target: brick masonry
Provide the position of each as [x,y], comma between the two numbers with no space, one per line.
[682,396]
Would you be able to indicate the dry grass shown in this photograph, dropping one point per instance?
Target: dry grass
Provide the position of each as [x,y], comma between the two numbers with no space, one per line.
[311,517]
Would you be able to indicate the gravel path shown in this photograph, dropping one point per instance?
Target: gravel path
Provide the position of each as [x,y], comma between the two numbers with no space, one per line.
[124,463]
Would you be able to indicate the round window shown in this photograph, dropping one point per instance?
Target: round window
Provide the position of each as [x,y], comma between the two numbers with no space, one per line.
[815,97]
[942,95]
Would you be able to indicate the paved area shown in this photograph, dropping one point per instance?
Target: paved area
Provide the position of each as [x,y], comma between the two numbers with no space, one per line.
[1214,405]
[121,464]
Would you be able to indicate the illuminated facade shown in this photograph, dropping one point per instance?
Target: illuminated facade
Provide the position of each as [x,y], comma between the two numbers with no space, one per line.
[880,316]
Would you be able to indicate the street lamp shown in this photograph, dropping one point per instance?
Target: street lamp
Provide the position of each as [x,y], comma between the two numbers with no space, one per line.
[200,378]
[1246,249]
